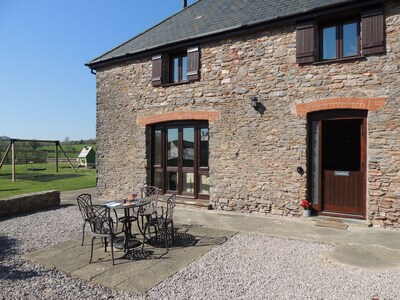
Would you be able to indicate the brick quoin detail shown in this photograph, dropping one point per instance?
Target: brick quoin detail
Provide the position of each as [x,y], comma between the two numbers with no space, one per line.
[371,104]
[211,116]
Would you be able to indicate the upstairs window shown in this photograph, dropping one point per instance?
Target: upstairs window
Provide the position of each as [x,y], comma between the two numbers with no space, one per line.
[342,39]
[176,67]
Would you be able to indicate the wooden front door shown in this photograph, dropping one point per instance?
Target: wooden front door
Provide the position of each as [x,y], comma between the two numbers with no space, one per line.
[337,162]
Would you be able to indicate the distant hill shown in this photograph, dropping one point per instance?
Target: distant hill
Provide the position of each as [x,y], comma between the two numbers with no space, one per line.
[4,138]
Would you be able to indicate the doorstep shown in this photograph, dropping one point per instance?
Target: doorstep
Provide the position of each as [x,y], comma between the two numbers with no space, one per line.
[188,202]
[345,221]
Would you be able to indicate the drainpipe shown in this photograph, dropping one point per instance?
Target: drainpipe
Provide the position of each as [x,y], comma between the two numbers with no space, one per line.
[184,3]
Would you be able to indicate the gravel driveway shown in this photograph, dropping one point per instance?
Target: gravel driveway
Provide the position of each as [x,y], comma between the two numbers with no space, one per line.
[248,266]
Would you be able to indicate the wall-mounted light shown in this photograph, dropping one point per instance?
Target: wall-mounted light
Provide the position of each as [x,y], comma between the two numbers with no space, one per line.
[254,102]
[300,170]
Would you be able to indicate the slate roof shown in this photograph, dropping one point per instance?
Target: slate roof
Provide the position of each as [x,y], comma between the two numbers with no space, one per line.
[206,17]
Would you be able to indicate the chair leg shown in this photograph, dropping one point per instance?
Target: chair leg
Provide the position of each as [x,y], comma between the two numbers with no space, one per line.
[156,230]
[172,232]
[143,225]
[148,220]
[165,229]
[112,250]
[91,250]
[83,233]
[144,234]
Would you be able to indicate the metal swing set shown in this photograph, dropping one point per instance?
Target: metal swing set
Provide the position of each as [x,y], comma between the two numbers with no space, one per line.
[38,157]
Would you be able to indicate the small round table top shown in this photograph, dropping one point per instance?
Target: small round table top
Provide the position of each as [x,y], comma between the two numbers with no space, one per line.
[121,204]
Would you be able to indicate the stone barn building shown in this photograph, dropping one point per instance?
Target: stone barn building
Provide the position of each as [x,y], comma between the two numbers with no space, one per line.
[255,105]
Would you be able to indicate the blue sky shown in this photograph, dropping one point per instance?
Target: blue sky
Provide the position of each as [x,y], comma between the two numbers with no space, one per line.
[46,92]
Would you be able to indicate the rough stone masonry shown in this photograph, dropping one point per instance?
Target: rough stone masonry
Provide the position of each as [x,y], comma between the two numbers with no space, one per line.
[253,156]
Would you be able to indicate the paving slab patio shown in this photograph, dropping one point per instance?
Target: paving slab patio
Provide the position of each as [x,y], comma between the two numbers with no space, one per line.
[135,272]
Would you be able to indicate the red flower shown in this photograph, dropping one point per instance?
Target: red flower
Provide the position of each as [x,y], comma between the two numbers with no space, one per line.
[305,204]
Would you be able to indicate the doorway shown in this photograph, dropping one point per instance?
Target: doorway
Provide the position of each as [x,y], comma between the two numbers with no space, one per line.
[337,157]
[180,159]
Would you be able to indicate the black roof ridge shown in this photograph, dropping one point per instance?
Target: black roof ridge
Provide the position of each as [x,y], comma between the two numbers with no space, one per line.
[136,36]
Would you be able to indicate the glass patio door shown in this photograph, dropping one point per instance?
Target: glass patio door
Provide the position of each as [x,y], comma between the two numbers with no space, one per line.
[180,159]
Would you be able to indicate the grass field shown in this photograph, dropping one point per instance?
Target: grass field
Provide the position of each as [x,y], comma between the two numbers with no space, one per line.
[44,150]
[37,181]
[71,150]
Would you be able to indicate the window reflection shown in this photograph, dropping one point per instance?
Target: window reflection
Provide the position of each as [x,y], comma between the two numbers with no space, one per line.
[340,40]
[184,67]
[204,147]
[172,147]
[158,180]
[350,39]
[172,181]
[176,69]
[157,147]
[329,42]
[188,182]
[188,147]
[204,184]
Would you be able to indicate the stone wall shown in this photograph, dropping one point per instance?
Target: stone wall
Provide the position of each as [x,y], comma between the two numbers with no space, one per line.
[29,202]
[253,156]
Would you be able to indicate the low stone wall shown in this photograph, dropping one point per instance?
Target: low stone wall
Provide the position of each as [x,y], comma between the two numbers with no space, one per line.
[29,202]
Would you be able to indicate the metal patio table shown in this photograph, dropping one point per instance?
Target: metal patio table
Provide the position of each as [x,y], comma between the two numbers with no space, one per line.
[129,240]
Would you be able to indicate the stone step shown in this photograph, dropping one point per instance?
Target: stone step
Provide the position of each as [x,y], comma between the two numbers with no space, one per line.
[337,222]
[186,202]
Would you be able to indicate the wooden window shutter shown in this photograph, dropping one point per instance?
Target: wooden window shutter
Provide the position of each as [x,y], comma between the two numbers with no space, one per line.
[193,63]
[305,43]
[373,32]
[156,61]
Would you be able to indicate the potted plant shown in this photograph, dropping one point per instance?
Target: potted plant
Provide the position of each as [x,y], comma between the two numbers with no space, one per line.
[306,208]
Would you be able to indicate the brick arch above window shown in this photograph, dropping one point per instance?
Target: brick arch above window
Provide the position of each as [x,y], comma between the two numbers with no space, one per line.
[211,116]
[370,104]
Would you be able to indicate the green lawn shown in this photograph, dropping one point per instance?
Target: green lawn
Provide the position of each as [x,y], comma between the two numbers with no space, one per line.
[72,150]
[36,181]
[45,150]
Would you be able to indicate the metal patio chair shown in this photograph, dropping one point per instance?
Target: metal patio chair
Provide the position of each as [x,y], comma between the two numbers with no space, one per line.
[84,200]
[102,226]
[145,212]
[161,222]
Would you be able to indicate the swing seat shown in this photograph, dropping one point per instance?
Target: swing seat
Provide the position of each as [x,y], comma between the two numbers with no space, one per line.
[36,162]
[36,169]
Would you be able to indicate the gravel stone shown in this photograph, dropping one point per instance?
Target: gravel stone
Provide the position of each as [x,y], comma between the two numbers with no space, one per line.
[247,266]
[256,266]
[20,279]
